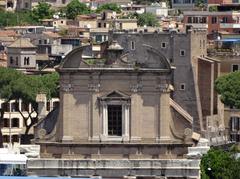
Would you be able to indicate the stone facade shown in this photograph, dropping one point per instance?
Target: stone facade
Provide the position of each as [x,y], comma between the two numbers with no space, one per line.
[144,100]
[21,54]
[194,74]
[139,89]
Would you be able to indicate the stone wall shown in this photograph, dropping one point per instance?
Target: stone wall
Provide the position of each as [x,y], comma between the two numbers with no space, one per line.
[114,168]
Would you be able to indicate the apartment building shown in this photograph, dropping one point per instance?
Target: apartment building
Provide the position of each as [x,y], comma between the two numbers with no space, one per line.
[13,123]
[228,21]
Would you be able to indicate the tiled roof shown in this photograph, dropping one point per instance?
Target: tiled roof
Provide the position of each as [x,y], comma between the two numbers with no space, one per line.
[6,33]
[22,43]
[52,34]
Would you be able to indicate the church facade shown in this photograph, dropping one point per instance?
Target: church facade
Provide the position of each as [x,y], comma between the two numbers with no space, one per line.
[118,108]
[131,106]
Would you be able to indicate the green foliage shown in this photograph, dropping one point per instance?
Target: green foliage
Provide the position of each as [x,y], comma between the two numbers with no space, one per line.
[17,18]
[213,8]
[75,8]
[63,31]
[109,6]
[228,86]
[130,16]
[200,3]
[219,164]
[215,164]
[42,11]
[147,19]
[16,85]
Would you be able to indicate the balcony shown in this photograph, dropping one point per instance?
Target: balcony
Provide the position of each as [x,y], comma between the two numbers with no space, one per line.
[198,25]
[229,25]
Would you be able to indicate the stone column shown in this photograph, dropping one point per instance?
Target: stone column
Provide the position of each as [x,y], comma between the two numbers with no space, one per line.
[135,118]
[96,130]
[66,118]
[125,109]
[41,99]
[165,114]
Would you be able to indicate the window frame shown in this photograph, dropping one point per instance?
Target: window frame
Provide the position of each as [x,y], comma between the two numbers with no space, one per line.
[165,45]
[182,55]
[184,86]
[234,65]
[125,102]
[214,20]
[133,45]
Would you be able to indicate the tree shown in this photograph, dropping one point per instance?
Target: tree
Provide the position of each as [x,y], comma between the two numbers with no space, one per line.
[147,19]
[109,6]
[75,8]
[219,164]
[228,86]
[200,4]
[16,18]
[15,85]
[41,11]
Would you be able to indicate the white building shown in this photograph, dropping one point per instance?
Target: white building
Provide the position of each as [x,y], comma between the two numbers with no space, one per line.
[21,54]
[13,122]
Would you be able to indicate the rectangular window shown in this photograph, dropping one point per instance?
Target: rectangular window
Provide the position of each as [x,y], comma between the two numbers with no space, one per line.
[235,123]
[6,107]
[182,53]
[16,60]
[11,60]
[14,106]
[48,106]
[99,25]
[204,20]
[104,25]
[15,138]
[26,60]
[214,20]
[195,20]
[163,45]
[5,122]
[235,68]
[15,122]
[182,86]
[5,138]
[26,5]
[45,41]
[189,19]
[114,120]
[224,20]
[39,41]
[132,45]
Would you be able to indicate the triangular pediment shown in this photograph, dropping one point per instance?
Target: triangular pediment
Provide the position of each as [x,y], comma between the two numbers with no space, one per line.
[115,95]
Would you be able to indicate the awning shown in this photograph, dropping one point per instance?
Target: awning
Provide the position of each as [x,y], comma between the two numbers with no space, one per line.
[229,40]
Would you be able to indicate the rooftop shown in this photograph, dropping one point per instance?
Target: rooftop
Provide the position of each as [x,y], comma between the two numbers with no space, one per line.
[22,43]
[207,13]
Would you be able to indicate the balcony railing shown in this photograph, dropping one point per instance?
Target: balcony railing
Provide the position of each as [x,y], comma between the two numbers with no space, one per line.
[229,25]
